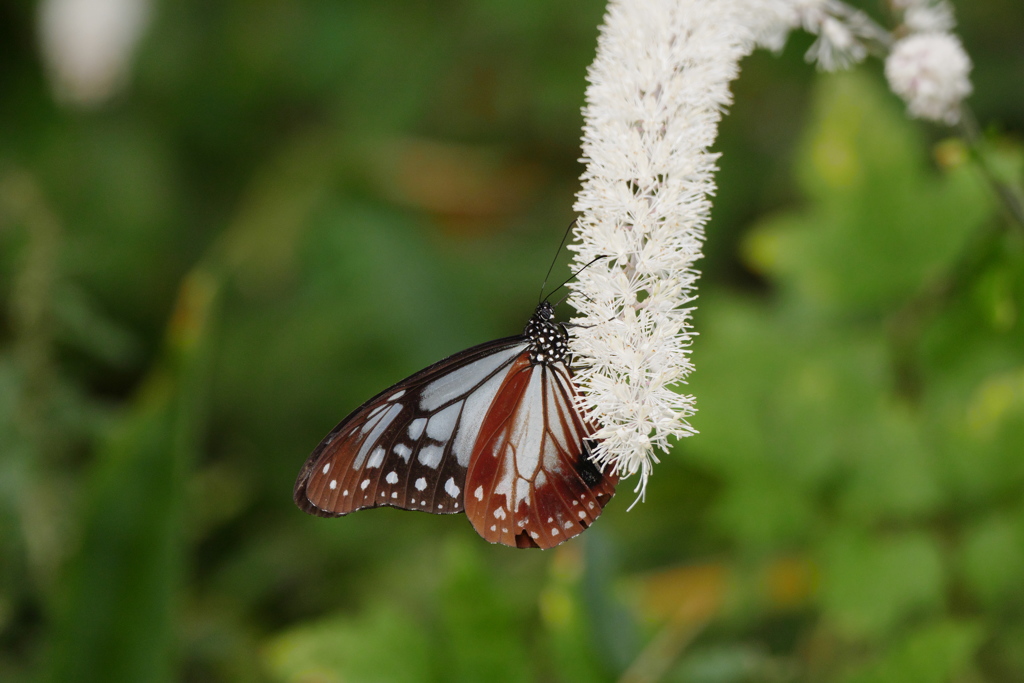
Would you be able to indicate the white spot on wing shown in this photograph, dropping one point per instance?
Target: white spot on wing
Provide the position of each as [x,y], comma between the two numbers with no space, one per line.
[403,451]
[567,525]
[366,482]
[394,494]
[479,493]
[416,427]
[345,492]
[334,484]
[392,478]
[421,483]
[430,456]
[326,467]
[451,488]
[500,513]
[376,458]
[397,395]
[441,424]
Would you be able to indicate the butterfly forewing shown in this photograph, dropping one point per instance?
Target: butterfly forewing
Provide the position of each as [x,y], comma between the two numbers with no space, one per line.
[409,446]
[530,482]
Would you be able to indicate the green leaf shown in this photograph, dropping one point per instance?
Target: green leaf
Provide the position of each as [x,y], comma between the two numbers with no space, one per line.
[937,653]
[737,373]
[574,612]
[992,561]
[384,645]
[870,584]
[892,475]
[793,413]
[116,620]
[476,615]
[737,663]
[982,437]
[880,224]
[763,509]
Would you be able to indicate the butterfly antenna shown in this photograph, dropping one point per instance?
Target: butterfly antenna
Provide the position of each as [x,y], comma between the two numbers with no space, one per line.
[541,297]
[571,277]
[562,300]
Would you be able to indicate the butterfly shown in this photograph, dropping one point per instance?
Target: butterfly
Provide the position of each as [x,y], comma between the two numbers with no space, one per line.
[493,431]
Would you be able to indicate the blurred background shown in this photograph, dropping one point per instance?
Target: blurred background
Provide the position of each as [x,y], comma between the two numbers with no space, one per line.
[224,225]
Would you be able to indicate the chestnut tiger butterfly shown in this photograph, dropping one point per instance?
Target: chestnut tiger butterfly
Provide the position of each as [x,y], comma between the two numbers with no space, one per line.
[493,431]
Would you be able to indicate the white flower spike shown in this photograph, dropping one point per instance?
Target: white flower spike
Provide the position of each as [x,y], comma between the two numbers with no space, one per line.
[657,91]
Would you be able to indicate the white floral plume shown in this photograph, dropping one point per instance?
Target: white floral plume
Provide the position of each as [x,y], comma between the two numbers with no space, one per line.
[658,88]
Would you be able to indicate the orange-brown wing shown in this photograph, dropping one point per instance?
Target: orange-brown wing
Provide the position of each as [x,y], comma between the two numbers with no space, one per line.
[530,481]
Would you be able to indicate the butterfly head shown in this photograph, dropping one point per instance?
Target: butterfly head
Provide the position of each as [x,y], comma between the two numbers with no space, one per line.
[548,339]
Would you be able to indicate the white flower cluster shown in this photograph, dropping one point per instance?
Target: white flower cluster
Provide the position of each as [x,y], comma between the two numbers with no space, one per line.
[657,91]
[928,67]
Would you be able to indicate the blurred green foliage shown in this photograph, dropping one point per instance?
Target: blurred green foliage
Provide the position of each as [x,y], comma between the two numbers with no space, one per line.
[297,203]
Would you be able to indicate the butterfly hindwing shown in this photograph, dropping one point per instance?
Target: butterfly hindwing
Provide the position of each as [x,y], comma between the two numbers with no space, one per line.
[530,482]
[409,446]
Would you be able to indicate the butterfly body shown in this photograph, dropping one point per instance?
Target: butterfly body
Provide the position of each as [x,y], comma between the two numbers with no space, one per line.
[492,431]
